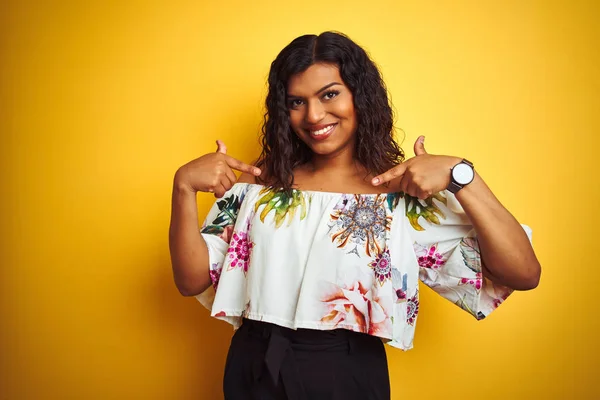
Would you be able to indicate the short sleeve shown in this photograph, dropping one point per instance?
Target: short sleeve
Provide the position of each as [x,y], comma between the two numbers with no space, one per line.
[447,252]
[216,231]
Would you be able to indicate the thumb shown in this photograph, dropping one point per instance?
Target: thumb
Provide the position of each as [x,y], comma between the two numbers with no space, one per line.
[420,146]
[221,148]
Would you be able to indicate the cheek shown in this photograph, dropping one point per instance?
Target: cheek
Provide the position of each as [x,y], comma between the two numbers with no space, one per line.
[345,109]
[295,121]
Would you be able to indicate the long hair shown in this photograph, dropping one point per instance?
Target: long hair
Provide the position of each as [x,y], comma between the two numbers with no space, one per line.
[283,151]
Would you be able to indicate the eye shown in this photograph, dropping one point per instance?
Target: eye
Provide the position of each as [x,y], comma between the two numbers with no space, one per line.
[295,103]
[331,94]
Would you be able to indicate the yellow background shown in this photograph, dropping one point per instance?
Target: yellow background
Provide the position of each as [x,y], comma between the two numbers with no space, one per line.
[101,101]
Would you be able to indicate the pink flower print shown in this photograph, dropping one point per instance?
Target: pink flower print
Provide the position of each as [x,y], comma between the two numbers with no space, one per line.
[429,257]
[501,299]
[239,251]
[412,309]
[475,282]
[215,274]
[400,296]
[382,266]
[492,295]
[353,307]
[497,303]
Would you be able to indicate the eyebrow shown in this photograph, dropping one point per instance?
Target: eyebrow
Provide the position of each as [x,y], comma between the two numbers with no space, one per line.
[291,96]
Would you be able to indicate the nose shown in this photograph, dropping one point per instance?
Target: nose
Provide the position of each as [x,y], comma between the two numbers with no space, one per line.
[315,112]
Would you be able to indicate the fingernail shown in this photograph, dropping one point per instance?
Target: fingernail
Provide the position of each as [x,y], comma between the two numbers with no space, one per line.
[375,181]
[256,171]
[422,139]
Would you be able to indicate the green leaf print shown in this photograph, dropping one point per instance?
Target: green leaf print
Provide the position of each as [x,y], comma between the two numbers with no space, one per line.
[429,211]
[283,203]
[228,210]
[393,199]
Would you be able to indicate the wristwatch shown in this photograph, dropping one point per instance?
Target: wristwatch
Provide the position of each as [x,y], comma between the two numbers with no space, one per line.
[461,175]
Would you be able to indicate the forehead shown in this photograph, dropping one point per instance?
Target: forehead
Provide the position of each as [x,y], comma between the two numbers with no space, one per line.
[308,82]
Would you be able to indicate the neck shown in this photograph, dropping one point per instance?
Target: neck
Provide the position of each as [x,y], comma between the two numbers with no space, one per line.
[340,164]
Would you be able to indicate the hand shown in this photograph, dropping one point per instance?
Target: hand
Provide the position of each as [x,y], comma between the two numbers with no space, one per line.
[420,176]
[213,172]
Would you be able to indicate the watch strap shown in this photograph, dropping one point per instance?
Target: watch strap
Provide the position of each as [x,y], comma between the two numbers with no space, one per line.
[454,187]
[469,163]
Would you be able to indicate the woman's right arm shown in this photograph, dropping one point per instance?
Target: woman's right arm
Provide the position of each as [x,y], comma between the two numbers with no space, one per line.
[189,254]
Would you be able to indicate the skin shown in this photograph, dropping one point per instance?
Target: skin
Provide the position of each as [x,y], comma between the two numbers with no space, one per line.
[318,98]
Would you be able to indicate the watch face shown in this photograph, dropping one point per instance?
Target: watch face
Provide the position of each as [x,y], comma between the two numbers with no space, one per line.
[463,174]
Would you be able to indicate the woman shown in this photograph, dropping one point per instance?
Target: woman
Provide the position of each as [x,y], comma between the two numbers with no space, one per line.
[316,251]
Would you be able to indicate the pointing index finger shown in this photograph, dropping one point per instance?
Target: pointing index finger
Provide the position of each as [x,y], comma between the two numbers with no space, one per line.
[241,166]
[389,175]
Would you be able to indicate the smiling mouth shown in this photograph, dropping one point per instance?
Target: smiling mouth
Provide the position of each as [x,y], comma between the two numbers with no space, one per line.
[322,133]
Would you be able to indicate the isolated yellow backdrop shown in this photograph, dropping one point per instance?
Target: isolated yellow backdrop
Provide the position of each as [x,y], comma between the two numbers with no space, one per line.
[102,101]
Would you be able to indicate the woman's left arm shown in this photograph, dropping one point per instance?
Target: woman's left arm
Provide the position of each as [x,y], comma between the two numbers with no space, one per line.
[508,257]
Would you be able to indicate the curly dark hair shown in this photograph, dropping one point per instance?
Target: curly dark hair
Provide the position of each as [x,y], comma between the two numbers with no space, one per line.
[283,151]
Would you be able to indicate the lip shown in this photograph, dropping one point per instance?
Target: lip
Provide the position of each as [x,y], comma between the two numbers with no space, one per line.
[324,135]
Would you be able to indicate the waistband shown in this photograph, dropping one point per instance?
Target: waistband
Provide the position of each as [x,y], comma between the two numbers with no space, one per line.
[282,343]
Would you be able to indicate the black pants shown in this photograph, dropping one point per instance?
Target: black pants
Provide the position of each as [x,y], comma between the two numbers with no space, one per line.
[268,362]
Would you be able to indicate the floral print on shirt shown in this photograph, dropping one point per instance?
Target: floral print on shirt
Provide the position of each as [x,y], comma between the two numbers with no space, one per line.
[355,307]
[469,249]
[222,224]
[215,274]
[400,285]
[429,257]
[240,249]
[363,220]
[321,260]
[283,203]
[382,266]
[412,309]
[429,211]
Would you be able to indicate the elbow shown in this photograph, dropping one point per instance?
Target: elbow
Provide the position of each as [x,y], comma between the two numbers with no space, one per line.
[531,279]
[188,280]
[534,280]
[189,288]
[188,292]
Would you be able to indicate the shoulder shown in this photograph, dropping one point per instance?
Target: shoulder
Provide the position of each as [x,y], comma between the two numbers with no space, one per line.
[246,178]
[249,178]
[394,185]
[263,179]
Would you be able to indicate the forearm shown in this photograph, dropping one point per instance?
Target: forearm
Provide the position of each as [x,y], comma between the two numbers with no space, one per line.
[189,253]
[506,252]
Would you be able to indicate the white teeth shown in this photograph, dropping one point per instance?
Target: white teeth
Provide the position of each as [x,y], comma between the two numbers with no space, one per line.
[322,131]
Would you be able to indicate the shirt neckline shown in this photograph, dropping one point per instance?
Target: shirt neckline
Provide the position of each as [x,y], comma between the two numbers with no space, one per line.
[325,193]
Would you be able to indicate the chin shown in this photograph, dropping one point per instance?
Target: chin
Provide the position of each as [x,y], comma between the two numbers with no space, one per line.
[324,149]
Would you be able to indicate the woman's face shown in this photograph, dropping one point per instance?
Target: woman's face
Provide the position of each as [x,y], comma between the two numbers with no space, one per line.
[322,110]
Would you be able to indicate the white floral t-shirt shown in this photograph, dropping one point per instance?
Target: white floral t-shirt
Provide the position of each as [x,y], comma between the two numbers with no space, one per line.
[323,260]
